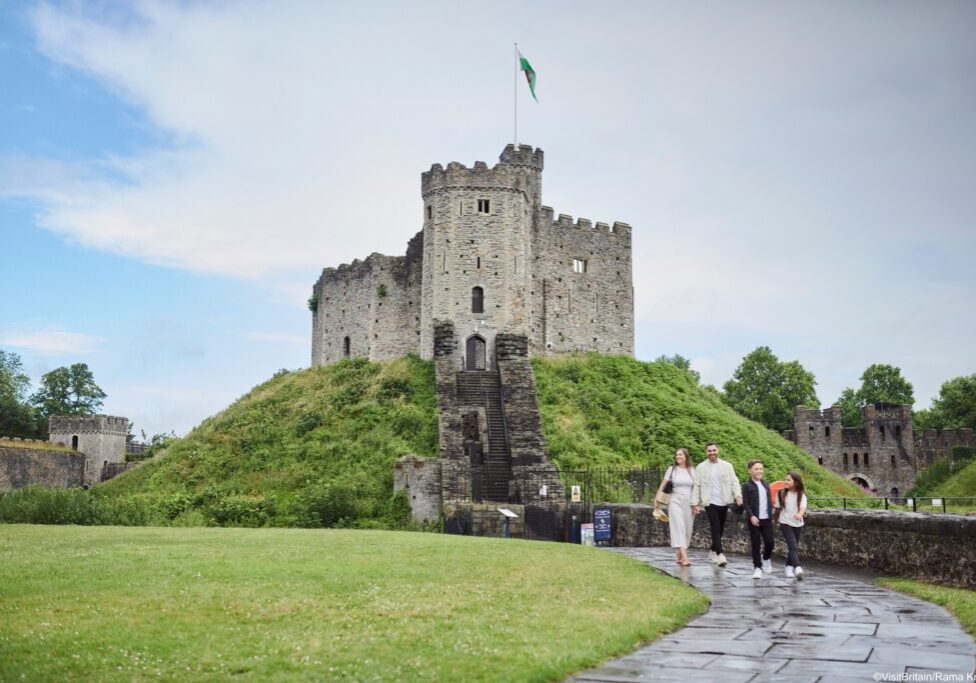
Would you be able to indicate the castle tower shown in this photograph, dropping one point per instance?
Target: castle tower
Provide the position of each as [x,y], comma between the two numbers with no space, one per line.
[100,437]
[478,251]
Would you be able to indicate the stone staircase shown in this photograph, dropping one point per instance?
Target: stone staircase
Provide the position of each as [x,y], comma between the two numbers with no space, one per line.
[476,389]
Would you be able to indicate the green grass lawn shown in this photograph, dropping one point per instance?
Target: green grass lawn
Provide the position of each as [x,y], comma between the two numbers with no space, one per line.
[139,603]
[961,602]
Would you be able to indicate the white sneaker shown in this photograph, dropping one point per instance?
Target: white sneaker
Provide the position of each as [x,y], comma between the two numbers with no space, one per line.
[798,573]
[720,560]
[767,566]
[712,557]
[757,574]
[789,572]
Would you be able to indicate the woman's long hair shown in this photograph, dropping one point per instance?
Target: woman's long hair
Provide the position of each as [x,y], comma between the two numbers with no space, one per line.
[689,465]
[797,487]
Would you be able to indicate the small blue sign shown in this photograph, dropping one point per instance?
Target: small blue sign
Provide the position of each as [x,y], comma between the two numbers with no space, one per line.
[601,525]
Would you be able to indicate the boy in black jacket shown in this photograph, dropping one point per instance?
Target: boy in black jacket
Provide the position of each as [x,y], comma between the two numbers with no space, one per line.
[757,503]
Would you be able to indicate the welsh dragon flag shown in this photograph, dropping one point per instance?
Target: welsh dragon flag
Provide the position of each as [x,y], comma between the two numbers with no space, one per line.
[529,74]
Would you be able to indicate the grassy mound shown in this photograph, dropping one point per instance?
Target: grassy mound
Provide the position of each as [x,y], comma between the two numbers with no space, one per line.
[309,448]
[614,410]
[316,447]
[318,605]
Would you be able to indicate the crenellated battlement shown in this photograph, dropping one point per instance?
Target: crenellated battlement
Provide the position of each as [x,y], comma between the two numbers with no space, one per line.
[510,173]
[564,220]
[105,424]
[831,414]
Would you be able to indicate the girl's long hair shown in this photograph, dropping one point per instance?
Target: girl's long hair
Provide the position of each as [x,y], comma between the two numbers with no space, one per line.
[797,487]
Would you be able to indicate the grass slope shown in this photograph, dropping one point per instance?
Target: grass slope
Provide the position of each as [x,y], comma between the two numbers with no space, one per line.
[614,410]
[316,447]
[308,448]
[962,483]
[112,603]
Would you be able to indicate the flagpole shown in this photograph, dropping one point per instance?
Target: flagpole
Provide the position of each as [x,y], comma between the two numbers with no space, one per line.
[515,94]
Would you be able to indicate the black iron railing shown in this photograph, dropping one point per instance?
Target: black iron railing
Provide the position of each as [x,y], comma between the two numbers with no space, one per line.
[927,503]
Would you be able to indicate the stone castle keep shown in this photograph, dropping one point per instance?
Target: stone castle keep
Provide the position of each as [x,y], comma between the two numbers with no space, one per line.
[491,280]
[490,259]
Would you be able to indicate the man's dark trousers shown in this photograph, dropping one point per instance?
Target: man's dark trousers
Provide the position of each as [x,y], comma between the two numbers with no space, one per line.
[716,521]
[765,532]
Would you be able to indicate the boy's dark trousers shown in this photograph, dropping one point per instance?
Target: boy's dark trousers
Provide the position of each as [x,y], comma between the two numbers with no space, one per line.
[765,532]
[716,521]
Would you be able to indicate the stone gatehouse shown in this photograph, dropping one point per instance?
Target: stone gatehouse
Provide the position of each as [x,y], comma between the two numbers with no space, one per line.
[884,455]
[492,279]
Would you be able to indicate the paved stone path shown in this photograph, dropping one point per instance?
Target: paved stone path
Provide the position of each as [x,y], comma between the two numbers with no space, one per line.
[828,627]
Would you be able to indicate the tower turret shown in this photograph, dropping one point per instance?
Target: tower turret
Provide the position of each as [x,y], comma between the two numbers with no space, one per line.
[478,225]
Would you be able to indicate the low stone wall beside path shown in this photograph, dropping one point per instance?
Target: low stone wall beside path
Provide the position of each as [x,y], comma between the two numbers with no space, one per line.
[939,548]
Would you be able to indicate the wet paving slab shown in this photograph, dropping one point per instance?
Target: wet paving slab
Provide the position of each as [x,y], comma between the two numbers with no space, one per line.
[832,626]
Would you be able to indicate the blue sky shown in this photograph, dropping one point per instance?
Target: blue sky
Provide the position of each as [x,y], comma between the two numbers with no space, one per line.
[173,176]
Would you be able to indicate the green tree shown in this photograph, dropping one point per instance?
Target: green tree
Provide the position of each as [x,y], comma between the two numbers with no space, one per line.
[69,391]
[768,391]
[17,417]
[880,383]
[955,405]
[682,363]
[14,382]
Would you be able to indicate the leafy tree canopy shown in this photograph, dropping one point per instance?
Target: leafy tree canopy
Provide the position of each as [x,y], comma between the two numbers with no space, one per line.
[17,417]
[681,362]
[69,391]
[880,383]
[954,407]
[14,382]
[767,390]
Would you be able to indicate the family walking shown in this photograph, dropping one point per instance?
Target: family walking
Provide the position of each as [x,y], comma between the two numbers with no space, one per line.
[712,486]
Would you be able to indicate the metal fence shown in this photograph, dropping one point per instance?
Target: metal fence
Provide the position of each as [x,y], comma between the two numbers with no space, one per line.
[612,484]
[904,503]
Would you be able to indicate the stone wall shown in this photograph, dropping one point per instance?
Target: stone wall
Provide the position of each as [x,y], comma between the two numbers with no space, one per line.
[933,444]
[100,437]
[528,447]
[23,466]
[420,478]
[375,303]
[889,543]
[582,286]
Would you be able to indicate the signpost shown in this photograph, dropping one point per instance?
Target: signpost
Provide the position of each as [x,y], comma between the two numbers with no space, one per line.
[602,532]
[509,516]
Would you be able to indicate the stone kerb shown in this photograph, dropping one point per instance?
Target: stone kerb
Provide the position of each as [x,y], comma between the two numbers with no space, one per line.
[934,547]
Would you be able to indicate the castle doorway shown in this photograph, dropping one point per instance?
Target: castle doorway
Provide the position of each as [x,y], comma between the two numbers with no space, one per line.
[475,353]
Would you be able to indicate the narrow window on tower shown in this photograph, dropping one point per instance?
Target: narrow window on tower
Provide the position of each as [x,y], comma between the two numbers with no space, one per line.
[579,265]
[430,212]
[478,262]
[477,300]
[484,206]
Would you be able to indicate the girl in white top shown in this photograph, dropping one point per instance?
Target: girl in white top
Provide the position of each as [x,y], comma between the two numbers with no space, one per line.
[680,520]
[792,505]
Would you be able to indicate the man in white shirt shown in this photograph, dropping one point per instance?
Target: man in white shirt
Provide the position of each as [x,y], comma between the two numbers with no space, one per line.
[715,488]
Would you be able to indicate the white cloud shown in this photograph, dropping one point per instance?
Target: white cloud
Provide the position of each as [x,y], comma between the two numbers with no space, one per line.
[279,338]
[52,341]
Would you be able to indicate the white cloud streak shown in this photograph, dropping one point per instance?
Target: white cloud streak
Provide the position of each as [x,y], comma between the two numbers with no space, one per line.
[52,341]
